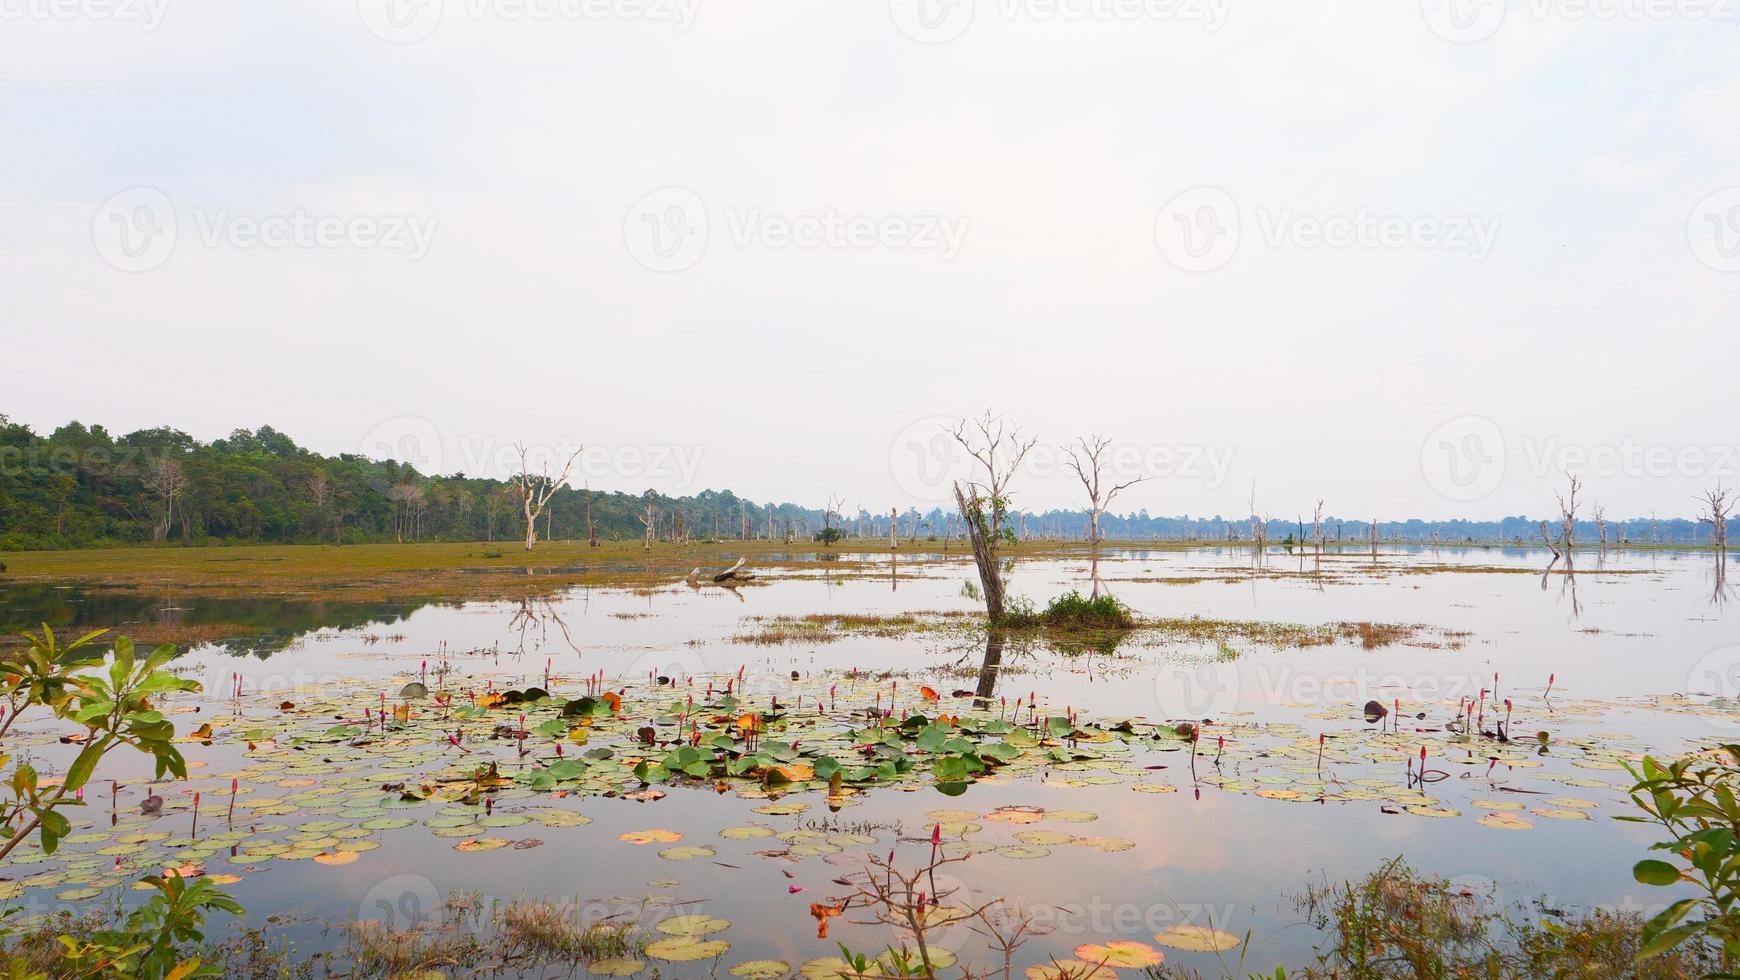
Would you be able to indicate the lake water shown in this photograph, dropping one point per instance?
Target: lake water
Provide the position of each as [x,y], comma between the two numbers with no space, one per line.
[1641,647]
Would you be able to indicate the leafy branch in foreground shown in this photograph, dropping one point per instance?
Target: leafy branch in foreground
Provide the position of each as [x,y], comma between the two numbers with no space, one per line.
[1693,800]
[114,707]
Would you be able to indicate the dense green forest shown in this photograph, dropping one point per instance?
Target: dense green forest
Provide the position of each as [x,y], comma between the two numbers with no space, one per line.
[81,486]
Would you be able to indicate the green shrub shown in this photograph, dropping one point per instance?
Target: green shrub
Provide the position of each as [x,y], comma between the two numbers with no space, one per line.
[1073,611]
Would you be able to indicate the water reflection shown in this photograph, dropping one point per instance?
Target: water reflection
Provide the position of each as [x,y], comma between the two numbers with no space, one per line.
[256,626]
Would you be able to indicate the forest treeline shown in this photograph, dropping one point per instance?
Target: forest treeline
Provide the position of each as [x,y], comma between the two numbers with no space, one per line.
[81,486]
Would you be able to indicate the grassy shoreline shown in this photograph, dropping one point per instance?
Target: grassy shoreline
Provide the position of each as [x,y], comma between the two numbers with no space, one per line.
[459,570]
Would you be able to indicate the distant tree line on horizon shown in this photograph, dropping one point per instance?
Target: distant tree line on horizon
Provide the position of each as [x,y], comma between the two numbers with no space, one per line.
[80,486]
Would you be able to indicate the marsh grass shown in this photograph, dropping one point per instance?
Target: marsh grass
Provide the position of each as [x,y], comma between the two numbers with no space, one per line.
[1398,923]
[524,936]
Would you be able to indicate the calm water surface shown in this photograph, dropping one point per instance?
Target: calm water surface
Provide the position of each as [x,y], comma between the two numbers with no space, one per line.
[1635,643]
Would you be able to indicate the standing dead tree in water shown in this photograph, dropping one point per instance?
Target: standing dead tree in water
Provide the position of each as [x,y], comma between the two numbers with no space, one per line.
[1568,512]
[535,490]
[591,528]
[1086,458]
[1600,514]
[1547,538]
[1259,527]
[894,528]
[650,520]
[1317,528]
[995,444]
[1718,502]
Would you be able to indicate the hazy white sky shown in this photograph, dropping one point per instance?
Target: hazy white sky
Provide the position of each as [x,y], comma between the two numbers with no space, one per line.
[1407,257]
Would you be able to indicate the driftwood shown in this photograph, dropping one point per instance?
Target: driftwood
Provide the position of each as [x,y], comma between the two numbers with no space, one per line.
[728,578]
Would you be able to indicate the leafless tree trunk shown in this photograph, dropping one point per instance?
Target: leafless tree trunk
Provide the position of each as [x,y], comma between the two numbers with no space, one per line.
[650,520]
[1601,525]
[1568,511]
[1086,458]
[535,491]
[1317,527]
[1547,536]
[894,528]
[1259,527]
[318,491]
[591,528]
[996,445]
[1719,503]
[168,480]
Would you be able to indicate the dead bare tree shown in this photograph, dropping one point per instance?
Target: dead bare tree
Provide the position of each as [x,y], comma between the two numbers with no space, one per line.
[996,445]
[165,477]
[319,491]
[1568,511]
[591,528]
[894,528]
[1259,527]
[650,520]
[535,490]
[1317,527]
[1720,505]
[1086,458]
[1547,538]
[1600,514]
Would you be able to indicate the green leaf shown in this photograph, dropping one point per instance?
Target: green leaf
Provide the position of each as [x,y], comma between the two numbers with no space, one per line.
[1652,872]
[80,771]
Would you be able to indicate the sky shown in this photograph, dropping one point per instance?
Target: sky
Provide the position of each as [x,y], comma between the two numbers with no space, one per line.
[1407,258]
